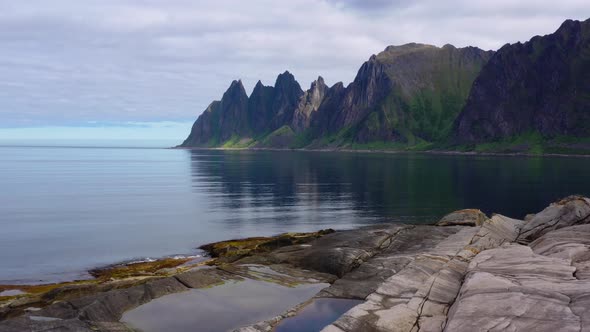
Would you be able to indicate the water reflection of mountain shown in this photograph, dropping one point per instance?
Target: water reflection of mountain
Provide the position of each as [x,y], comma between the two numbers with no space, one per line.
[402,186]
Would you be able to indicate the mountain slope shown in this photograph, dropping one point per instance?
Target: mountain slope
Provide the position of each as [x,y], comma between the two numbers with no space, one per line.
[404,93]
[222,119]
[539,89]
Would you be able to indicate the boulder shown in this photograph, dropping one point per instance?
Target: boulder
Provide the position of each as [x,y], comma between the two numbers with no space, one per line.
[572,210]
[467,217]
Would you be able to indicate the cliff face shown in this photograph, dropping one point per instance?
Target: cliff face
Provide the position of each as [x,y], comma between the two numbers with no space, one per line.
[406,93]
[309,104]
[540,86]
[239,118]
[369,87]
[222,119]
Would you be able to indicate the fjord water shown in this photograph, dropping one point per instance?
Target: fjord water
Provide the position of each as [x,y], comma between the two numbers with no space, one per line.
[64,210]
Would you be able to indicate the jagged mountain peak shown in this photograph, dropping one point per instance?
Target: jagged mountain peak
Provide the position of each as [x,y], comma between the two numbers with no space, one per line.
[236,83]
[285,79]
[259,88]
[236,88]
[413,94]
[319,82]
[337,86]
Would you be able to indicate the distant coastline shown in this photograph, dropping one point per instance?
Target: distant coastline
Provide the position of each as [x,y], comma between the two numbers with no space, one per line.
[434,152]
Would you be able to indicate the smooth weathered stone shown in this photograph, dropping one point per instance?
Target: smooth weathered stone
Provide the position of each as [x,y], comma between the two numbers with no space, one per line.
[496,231]
[418,294]
[404,248]
[337,253]
[513,259]
[279,274]
[571,242]
[572,210]
[513,288]
[466,217]
[419,297]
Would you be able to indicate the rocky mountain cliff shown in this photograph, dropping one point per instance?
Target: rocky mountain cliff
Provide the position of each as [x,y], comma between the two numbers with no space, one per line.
[540,87]
[405,94]
[402,93]
[418,96]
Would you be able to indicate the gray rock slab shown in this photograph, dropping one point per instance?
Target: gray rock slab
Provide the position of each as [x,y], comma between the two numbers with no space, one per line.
[340,252]
[572,210]
[513,288]
[404,248]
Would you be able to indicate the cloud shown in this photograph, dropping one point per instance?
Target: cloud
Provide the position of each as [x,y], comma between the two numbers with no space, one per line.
[67,62]
[371,5]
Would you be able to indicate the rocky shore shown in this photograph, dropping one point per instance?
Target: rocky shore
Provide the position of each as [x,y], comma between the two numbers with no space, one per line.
[467,273]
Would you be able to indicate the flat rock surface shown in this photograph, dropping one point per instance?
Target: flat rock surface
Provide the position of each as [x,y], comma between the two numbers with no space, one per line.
[403,249]
[396,303]
[336,253]
[512,288]
[419,295]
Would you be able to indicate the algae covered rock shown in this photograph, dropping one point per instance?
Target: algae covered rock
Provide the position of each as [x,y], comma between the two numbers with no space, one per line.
[235,249]
[466,217]
[340,252]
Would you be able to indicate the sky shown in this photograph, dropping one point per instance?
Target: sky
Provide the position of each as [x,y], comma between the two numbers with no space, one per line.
[146,69]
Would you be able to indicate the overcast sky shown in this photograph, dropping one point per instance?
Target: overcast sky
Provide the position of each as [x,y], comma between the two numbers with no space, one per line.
[124,62]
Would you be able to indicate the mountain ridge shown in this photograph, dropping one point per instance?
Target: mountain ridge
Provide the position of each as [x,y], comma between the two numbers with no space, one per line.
[415,96]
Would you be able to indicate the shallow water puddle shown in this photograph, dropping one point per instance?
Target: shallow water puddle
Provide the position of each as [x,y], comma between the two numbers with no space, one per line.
[220,308]
[316,315]
[12,292]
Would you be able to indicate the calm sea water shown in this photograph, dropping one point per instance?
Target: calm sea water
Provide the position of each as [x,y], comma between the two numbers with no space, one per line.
[64,210]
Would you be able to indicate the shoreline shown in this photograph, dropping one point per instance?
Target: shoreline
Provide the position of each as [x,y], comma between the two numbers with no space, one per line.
[399,274]
[368,151]
[137,271]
